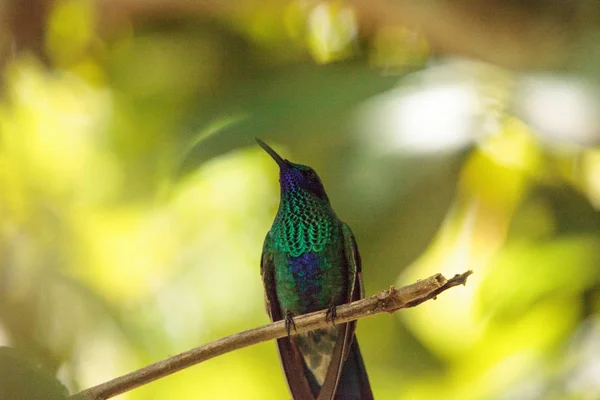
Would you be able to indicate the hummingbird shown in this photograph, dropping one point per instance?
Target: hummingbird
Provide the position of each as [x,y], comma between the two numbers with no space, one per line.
[310,262]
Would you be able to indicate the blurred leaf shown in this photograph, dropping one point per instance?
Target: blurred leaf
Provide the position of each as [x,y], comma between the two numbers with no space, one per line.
[21,380]
[70,30]
[573,212]
[332,30]
[284,103]
[526,273]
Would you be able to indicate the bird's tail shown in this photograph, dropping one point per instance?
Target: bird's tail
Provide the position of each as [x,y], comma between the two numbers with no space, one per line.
[354,381]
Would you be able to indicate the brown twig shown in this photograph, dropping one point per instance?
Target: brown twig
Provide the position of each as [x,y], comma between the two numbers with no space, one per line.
[385,301]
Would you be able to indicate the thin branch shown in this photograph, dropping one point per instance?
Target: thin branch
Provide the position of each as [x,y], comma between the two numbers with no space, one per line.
[389,300]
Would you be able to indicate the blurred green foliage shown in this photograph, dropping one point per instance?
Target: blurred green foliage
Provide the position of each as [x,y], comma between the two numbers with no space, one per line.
[20,380]
[133,204]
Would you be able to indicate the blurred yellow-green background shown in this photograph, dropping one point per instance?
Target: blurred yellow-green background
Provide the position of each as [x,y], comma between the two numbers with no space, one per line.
[449,135]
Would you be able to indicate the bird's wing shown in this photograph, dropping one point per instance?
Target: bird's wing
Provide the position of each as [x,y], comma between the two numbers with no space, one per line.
[356,288]
[345,331]
[291,359]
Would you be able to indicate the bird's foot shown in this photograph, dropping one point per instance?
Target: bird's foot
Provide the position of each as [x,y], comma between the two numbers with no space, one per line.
[331,313]
[289,322]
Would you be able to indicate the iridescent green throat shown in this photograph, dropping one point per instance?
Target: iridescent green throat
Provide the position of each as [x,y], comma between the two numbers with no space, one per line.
[304,223]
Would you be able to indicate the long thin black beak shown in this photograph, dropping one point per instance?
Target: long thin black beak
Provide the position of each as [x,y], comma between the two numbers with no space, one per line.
[280,161]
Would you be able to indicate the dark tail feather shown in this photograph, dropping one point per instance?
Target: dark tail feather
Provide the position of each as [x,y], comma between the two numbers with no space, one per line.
[354,381]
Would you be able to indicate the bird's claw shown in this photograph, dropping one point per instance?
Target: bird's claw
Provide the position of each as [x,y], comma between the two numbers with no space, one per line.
[331,313]
[289,322]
